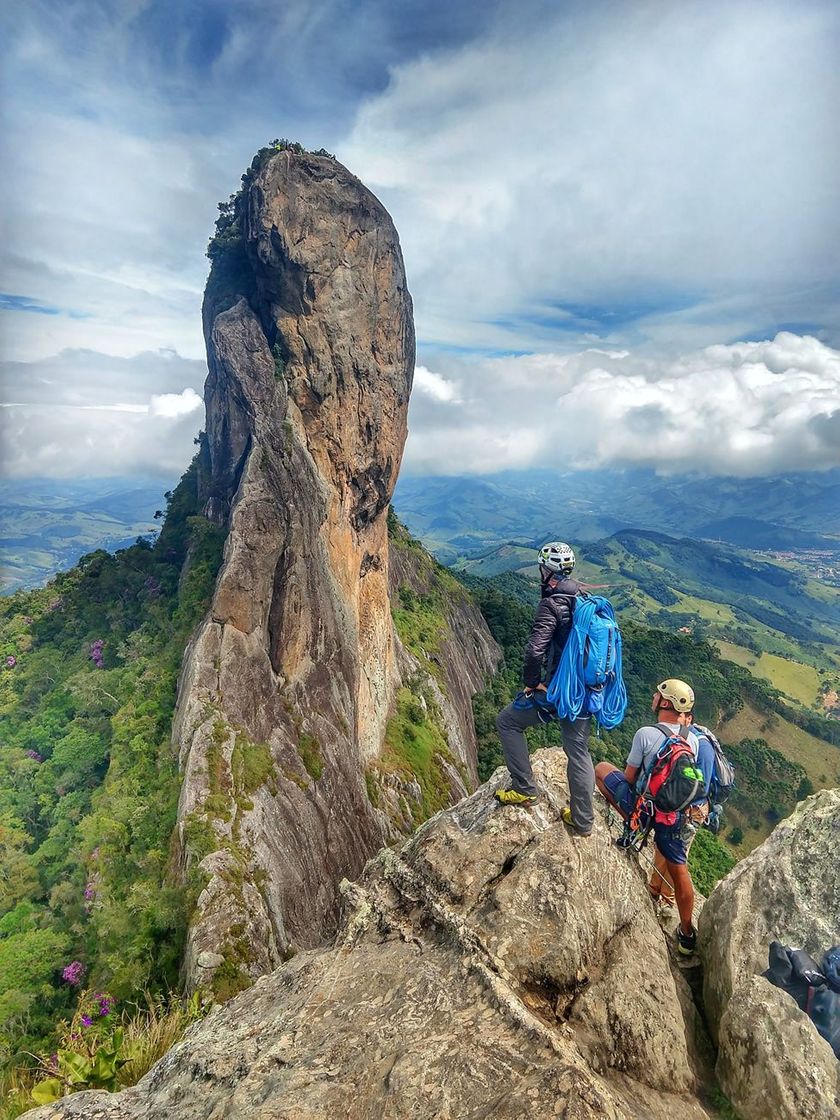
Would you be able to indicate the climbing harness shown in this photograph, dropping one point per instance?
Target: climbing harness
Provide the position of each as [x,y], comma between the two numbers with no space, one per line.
[635,839]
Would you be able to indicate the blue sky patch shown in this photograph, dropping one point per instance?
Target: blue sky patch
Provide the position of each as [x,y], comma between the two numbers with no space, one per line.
[26,303]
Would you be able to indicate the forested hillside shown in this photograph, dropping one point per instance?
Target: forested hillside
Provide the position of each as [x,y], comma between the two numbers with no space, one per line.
[88,781]
[771,617]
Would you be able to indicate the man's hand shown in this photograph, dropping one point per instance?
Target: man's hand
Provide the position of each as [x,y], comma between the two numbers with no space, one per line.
[541,688]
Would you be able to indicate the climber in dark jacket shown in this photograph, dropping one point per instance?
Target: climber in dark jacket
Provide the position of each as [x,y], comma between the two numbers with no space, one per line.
[549,633]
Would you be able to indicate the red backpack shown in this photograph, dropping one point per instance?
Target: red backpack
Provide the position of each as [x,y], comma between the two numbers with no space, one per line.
[674,780]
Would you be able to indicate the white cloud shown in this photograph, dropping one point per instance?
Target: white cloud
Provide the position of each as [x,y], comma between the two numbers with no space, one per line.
[750,408]
[434,386]
[662,161]
[80,413]
[643,179]
[173,405]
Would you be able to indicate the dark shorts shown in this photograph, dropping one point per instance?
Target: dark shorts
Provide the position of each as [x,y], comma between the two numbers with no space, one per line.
[620,791]
[668,842]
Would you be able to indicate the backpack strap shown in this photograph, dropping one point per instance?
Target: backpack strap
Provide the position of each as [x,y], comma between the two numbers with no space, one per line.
[669,734]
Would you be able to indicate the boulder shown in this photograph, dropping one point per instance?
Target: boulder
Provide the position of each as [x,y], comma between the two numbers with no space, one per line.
[787,890]
[771,1061]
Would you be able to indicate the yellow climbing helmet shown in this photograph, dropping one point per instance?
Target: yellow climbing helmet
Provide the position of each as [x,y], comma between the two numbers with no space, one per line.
[680,694]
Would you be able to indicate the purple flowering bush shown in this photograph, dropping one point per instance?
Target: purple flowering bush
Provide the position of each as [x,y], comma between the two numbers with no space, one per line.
[92,1050]
[74,973]
[96,653]
[11,661]
[99,1049]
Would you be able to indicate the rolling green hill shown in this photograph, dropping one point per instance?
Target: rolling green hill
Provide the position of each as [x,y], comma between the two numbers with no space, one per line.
[770,617]
[454,516]
[47,524]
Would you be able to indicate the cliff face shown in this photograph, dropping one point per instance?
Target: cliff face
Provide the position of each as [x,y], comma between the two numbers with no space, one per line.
[287,688]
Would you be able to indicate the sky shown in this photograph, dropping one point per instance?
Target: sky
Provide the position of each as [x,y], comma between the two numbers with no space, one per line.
[618,219]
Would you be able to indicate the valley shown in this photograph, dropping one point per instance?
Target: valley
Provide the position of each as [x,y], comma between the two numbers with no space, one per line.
[772,617]
[47,524]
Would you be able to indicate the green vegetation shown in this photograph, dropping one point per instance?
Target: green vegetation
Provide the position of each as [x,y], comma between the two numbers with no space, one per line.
[251,766]
[416,748]
[88,780]
[279,362]
[309,750]
[422,617]
[708,861]
[99,1049]
[798,681]
[769,785]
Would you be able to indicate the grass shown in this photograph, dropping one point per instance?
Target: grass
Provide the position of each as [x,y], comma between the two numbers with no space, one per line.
[419,623]
[799,682]
[251,764]
[150,1031]
[416,748]
[820,760]
[705,608]
[309,750]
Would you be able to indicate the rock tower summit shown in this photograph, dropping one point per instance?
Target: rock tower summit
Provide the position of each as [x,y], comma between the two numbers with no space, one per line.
[288,684]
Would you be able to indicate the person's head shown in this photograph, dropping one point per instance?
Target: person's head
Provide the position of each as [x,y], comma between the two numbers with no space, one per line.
[556,560]
[673,701]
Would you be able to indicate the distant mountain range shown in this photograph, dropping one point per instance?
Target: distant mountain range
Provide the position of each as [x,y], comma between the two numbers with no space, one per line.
[47,524]
[456,516]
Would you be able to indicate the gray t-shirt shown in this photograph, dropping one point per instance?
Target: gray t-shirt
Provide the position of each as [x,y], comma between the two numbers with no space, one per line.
[648,740]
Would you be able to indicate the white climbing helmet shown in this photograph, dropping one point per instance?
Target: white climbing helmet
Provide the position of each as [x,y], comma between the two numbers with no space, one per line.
[557,557]
[680,694]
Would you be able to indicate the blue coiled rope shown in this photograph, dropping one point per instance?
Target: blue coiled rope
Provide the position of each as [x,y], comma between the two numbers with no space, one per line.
[568,691]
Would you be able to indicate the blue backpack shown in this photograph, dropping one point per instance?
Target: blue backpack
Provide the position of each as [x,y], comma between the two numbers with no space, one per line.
[723,779]
[588,680]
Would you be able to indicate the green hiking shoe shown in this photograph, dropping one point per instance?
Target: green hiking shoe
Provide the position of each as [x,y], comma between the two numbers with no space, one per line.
[566,818]
[512,797]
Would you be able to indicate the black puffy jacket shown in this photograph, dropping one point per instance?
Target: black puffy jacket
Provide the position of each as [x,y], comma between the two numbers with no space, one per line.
[552,624]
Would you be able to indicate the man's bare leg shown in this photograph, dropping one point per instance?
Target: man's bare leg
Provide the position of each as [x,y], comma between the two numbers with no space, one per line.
[661,884]
[684,890]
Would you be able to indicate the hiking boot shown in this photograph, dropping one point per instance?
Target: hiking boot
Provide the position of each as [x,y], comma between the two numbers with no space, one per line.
[566,818]
[686,942]
[513,797]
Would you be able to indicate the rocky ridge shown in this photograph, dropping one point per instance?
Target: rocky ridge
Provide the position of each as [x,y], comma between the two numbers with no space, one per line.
[496,965]
[493,965]
[288,686]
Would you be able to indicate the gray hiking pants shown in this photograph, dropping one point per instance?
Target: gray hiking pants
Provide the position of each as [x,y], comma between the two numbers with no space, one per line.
[511,724]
